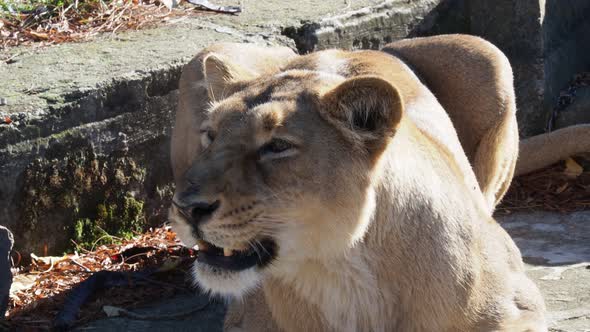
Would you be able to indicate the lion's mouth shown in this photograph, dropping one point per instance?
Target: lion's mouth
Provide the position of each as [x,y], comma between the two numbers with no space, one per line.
[259,254]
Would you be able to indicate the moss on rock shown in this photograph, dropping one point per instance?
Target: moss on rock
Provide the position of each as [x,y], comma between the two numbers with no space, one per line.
[118,220]
[101,196]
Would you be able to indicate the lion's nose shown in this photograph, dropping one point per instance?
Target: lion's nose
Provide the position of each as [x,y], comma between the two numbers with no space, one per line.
[201,211]
[197,212]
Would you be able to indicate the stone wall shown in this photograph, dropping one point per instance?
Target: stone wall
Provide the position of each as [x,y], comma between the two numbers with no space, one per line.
[547,42]
[110,175]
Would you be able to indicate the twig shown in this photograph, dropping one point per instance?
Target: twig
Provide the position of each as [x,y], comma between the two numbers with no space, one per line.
[80,265]
[102,237]
[80,247]
[50,268]
[17,255]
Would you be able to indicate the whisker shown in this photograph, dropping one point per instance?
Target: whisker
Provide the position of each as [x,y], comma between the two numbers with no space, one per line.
[261,246]
[270,224]
[254,247]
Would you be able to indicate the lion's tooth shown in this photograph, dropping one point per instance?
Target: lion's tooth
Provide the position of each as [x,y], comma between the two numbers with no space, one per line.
[202,245]
[227,252]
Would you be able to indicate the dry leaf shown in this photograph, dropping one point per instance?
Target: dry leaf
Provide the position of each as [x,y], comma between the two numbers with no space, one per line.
[47,260]
[39,35]
[546,189]
[572,168]
[22,282]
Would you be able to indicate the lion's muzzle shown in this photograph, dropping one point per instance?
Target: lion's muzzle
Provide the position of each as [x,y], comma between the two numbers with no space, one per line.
[196,212]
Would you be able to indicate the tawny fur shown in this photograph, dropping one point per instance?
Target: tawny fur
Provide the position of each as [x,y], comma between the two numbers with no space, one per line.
[473,82]
[383,228]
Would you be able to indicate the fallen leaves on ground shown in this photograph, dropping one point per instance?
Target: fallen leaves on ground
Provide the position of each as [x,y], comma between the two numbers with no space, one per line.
[80,20]
[563,187]
[40,288]
[572,168]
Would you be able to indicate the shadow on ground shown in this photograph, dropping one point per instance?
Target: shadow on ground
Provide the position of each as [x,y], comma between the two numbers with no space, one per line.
[556,250]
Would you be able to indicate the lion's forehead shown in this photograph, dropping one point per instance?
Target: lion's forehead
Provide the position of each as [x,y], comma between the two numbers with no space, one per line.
[264,117]
[286,85]
[258,111]
[282,102]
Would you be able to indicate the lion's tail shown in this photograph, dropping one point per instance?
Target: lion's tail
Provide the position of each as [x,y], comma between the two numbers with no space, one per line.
[543,150]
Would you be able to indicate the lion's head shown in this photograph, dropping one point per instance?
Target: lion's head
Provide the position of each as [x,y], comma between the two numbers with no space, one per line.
[285,171]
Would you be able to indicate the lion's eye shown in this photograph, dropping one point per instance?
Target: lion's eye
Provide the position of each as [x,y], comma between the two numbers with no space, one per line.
[207,136]
[276,148]
[210,135]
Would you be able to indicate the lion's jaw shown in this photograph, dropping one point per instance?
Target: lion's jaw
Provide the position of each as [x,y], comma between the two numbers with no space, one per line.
[312,200]
[302,238]
[296,246]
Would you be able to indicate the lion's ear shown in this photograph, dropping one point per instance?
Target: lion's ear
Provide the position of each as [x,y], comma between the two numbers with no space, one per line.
[220,73]
[367,107]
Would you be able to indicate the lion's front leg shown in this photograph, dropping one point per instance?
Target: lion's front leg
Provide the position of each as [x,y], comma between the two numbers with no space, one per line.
[249,314]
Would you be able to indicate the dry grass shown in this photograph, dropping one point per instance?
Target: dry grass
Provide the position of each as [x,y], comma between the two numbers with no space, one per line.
[58,21]
[549,189]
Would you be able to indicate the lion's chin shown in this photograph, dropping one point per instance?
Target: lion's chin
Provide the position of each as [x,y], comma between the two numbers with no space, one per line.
[223,282]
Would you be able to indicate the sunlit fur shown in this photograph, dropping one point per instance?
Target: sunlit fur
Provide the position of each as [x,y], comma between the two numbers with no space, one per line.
[380,221]
[222,283]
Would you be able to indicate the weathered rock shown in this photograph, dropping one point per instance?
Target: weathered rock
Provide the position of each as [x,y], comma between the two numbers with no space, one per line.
[6,243]
[55,184]
[547,41]
[577,112]
[366,28]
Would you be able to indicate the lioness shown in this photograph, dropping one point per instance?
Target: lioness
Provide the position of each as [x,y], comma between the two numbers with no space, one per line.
[331,192]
